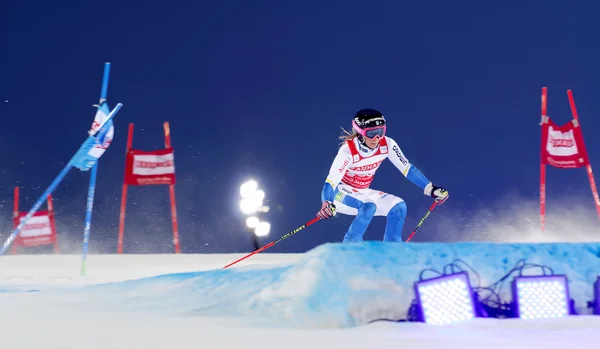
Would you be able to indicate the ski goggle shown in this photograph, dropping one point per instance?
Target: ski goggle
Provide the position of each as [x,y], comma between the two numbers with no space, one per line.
[370,132]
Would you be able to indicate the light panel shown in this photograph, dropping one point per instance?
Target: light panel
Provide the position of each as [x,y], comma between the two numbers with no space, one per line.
[541,297]
[446,299]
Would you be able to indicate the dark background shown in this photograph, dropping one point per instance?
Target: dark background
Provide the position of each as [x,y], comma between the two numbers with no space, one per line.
[260,89]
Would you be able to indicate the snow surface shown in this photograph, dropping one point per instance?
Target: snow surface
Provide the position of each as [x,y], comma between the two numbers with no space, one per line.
[266,301]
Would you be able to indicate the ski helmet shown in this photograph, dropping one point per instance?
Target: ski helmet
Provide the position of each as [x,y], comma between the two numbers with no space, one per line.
[369,123]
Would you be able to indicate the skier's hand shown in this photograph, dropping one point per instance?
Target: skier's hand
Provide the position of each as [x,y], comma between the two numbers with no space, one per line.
[440,194]
[327,210]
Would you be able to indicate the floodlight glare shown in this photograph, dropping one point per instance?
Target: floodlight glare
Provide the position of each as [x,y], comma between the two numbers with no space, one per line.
[248,206]
[248,188]
[258,196]
[446,299]
[541,297]
[252,222]
[262,229]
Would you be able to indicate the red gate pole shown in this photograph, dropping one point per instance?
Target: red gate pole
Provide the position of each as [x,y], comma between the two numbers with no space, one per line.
[588,167]
[52,220]
[543,166]
[124,194]
[172,193]
[15,214]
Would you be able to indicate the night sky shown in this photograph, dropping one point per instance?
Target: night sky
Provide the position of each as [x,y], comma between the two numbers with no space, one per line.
[260,89]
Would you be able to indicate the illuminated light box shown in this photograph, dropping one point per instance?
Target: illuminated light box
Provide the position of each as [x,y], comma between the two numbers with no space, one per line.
[445,299]
[541,297]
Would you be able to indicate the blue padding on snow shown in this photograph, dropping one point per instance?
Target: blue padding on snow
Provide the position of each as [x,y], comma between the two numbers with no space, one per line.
[333,285]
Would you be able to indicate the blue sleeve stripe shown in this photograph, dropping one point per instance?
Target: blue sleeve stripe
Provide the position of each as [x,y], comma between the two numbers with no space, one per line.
[418,178]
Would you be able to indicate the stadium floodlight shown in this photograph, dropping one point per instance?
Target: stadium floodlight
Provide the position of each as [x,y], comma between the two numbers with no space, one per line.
[248,206]
[252,222]
[258,195]
[252,198]
[257,198]
[248,188]
[541,297]
[445,299]
[251,203]
[262,229]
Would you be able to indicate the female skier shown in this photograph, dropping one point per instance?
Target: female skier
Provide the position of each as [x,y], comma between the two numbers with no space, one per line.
[346,188]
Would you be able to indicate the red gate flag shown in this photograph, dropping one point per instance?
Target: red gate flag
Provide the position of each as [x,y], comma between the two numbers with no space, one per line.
[39,230]
[563,146]
[150,167]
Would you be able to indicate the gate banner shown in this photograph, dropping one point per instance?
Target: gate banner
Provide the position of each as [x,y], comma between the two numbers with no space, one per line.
[563,146]
[150,167]
[39,230]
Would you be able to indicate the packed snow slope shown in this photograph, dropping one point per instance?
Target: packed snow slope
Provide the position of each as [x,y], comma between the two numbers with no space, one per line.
[332,286]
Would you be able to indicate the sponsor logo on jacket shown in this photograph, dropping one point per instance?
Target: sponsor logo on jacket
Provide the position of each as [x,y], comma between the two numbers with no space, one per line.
[366,167]
[399,155]
[343,167]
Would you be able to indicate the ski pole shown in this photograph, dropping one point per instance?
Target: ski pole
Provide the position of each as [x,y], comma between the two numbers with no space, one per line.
[422,220]
[274,242]
[92,184]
